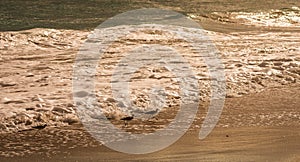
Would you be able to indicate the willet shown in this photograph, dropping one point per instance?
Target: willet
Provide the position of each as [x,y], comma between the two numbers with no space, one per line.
[126,119]
[39,127]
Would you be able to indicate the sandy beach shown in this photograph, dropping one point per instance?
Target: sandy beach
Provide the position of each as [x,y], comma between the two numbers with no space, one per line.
[259,48]
[273,138]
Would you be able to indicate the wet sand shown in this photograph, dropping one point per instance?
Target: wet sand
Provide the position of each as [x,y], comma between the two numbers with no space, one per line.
[253,141]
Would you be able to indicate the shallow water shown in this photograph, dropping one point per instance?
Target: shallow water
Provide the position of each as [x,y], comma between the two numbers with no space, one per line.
[64,14]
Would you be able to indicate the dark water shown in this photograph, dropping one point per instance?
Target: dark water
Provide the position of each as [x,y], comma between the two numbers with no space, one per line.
[87,14]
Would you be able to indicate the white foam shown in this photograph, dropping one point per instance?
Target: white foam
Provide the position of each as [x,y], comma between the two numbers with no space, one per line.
[275,18]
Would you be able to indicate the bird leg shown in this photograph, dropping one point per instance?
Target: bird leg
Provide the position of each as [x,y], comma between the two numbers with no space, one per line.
[35,133]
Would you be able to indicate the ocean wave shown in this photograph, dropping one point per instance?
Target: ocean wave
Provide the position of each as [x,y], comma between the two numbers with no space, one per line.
[287,17]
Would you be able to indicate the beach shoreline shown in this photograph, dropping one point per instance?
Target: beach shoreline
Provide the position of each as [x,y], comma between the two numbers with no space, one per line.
[260,118]
[276,141]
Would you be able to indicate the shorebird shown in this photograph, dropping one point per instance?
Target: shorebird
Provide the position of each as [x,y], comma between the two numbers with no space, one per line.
[126,119]
[39,127]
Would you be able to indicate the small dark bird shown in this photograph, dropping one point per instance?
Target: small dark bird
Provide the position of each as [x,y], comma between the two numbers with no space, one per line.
[126,119]
[39,127]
